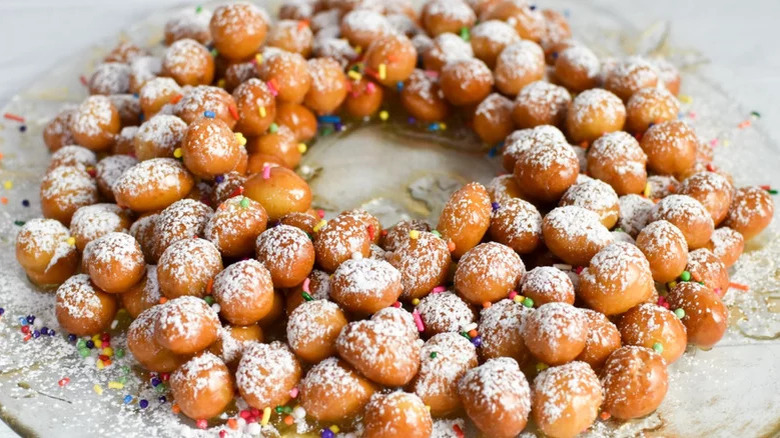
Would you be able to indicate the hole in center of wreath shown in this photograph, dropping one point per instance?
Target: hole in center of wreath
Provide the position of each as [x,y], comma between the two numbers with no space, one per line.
[393,172]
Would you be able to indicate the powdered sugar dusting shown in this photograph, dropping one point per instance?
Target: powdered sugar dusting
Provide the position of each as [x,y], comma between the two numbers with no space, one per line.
[264,371]
[78,298]
[281,244]
[571,385]
[203,372]
[445,311]
[634,213]
[310,320]
[499,387]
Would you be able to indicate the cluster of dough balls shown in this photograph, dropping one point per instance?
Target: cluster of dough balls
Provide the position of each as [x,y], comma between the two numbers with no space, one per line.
[171,193]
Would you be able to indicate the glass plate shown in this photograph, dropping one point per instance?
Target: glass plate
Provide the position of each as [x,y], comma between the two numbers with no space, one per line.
[731,390]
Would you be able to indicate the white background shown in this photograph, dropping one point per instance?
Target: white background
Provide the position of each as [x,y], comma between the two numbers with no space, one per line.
[739,37]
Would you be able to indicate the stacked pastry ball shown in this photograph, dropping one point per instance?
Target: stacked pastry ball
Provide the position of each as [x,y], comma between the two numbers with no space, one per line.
[561,290]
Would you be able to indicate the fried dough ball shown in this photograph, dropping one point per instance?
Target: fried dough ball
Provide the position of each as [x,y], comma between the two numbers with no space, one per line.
[687,214]
[93,221]
[650,106]
[566,399]
[596,196]
[396,53]
[652,326]
[235,225]
[188,62]
[465,81]
[423,263]
[523,139]
[365,285]
[705,267]
[704,315]
[577,68]
[488,272]
[528,22]
[465,218]
[158,137]
[183,219]
[635,382]
[617,159]
[210,148]
[446,47]
[153,185]
[443,312]
[187,267]
[727,245]
[280,144]
[202,387]
[280,191]
[57,132]
[95,123]
[501,329]
[244,292]
[489,38]
[593,113]
[439,16]
[555,333]
[114,262]
[140,342]
[385,348]
[189,23]
[143,295]
[541,103]
[751,210]
[496,397]
[617,279]
[256,107]
[574,234]
[328,86]
[493,118]
[517,224]
[287,253]
[546,284]
[298,118]
[664,246]
[197,101]
[423,99]
[81,308]
[339,239]
[266,374]
[364,100]
[157,94]
[670,147]
[544,171]
[397,414]
[313,328]
[293,36]
[64,190]
[630,76]
[713,190]
[110,78]
[238,29]
[603,338]
[43,248]
[363,26]
[445,358]
[319,289]
[333,391]
[186,325]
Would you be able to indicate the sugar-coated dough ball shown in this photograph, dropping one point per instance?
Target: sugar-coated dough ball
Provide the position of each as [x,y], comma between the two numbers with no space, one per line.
[566,399]
[496,397]
[635,382]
